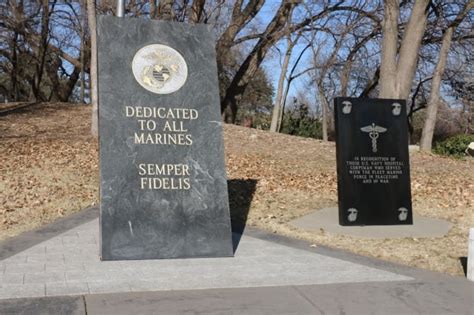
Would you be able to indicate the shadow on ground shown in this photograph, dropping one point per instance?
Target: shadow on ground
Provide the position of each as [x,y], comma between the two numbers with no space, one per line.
[463,261]
[241,192]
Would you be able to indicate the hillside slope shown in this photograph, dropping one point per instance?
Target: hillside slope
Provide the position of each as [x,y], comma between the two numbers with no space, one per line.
[49,168]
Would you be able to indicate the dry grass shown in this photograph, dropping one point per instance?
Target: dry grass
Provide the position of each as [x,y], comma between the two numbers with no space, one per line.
[49,168]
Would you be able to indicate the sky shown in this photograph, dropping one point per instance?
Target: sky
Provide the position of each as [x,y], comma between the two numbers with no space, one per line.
[272,62]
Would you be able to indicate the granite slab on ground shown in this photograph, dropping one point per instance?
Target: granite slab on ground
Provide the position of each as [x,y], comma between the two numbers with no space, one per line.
[327,219]
[68,264]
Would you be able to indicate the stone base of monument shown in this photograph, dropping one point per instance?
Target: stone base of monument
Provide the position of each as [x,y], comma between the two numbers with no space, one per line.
[327,219]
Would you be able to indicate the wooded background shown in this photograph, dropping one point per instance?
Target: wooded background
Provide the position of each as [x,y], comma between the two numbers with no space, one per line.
[280,63]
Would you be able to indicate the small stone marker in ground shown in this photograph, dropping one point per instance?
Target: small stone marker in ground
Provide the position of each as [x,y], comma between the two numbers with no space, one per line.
[470,149]
[372,162]
[162,171]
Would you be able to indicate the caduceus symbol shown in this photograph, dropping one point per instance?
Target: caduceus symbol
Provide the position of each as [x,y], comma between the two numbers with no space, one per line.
[374,132]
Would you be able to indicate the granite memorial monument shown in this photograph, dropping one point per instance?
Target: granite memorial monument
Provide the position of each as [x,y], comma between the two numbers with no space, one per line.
[372,162]
[162,172]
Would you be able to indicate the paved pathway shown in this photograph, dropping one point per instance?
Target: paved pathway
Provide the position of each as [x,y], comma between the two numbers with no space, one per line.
[68,264]
[56,270]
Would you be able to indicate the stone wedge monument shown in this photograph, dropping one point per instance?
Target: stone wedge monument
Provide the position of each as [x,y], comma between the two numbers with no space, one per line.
[372,162]
[162,172]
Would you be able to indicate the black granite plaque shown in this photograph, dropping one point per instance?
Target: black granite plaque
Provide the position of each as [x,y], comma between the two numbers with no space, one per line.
[372,162]
[162,172]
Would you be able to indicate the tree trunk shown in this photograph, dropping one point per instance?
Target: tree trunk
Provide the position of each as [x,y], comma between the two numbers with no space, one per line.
[345,73]
[42,49]
[93,67]
[240,18]
[196,11]
[283,105]
[152,9]
[324,111]
[346,69]
[15,93]
[18,16]
[320,85]
[276,113]
[371,84]
[83,43]
[389,49]
[255,58]
[410,47]
[165,10]
[396,77]
[434,99]
[65,89]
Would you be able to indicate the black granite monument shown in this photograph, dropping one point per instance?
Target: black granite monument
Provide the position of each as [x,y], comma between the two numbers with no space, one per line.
[162,172]
[372,162]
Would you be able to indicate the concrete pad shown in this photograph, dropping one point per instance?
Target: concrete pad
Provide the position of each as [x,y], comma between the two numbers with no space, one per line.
[391,298]
[43,306]
[249,301]
[355,298]
[257,263]
[327,219]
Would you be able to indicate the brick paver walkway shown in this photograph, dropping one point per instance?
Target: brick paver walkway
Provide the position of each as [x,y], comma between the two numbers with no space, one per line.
[68,264]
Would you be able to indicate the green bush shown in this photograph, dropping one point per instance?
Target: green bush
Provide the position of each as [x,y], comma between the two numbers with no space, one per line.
[454,146]
[299,122]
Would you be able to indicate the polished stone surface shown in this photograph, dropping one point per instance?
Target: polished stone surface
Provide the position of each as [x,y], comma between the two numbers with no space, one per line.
[327,220]
[162,171]
[372,162]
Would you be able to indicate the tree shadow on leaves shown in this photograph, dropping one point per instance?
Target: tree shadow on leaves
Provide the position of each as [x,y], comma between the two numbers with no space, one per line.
[241,192]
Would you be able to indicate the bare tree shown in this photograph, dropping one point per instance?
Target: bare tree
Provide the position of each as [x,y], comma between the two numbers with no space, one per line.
[240,17]
[36,54]
[91,16]
[291,77]
[434,99]
[274,31]
[278,108]
[347,67]
[398,65]
[322,70]
[83,50]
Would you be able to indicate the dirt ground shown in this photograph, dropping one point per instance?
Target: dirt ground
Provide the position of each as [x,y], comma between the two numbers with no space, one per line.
[49,169]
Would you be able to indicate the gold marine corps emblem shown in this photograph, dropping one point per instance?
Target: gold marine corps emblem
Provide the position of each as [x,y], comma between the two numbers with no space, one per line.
[159,69]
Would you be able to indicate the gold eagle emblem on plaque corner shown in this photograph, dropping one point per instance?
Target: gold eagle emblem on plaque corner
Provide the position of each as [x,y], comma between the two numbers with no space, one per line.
[159,69]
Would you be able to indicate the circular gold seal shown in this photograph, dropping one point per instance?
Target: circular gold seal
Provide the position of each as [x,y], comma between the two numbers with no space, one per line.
[159,69]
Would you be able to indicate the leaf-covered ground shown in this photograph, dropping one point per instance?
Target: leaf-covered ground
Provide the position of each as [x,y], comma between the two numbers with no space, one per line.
[49,168]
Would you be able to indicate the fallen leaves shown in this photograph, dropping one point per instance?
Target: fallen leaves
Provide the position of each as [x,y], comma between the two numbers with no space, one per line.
[49,169]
